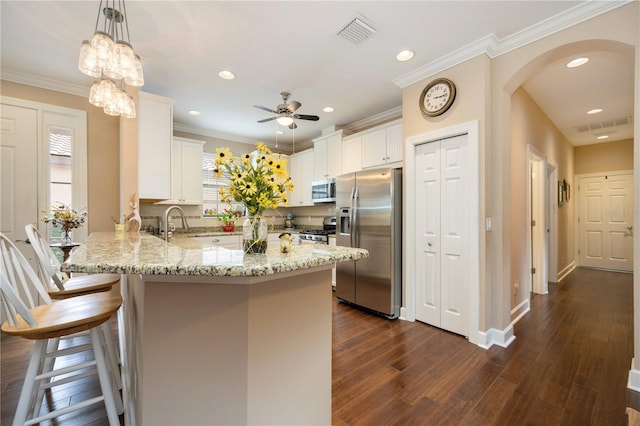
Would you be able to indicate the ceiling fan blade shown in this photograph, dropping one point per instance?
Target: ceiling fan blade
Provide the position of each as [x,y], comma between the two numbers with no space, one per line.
[293,125]
[264,120]
[306,117]
[294,105]
[265,109]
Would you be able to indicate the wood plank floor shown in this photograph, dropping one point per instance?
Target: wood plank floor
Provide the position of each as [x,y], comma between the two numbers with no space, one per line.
[567,366]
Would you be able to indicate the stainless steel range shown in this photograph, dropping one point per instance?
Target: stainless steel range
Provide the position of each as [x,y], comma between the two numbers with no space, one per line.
[319,236]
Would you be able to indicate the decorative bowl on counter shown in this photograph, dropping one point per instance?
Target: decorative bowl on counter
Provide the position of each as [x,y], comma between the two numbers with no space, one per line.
[228,227]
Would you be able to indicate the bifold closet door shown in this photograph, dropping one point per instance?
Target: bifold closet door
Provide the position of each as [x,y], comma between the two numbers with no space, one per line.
[442,227]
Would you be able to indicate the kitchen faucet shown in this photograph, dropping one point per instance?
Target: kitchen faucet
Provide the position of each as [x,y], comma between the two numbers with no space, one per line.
[185,225]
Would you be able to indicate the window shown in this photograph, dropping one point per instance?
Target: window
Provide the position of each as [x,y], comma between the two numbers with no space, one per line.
[211,184]
[60,171]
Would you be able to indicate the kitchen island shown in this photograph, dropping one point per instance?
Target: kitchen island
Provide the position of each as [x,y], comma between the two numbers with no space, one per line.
[211,336]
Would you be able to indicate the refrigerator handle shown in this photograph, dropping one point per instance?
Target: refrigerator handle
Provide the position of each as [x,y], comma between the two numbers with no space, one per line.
[354,216]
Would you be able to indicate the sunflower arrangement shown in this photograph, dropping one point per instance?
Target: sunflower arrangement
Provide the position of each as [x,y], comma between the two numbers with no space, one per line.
[259,182]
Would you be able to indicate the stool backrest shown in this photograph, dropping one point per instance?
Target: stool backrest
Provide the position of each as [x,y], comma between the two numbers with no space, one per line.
[17,280]
[49,263]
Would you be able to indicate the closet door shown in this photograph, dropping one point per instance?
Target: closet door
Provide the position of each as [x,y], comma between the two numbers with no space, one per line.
[442,234]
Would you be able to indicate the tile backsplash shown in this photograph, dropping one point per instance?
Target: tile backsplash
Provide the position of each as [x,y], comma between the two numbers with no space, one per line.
[304,217]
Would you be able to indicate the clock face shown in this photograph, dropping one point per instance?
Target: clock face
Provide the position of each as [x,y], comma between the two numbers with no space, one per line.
[437,97]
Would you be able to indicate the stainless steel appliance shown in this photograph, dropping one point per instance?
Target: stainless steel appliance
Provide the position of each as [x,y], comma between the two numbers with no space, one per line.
[369,216]
[319,236]
[323,191]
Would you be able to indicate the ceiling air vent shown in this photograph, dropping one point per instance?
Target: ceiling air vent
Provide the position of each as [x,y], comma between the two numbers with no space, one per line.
[357,31]
[604,124]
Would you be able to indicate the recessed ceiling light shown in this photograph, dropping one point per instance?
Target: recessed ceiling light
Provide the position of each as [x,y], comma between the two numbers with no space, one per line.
[595,111]
[328,109]
[227,75]
[193,112]
[405,55]
[279,132]
[577,62]
[603,137]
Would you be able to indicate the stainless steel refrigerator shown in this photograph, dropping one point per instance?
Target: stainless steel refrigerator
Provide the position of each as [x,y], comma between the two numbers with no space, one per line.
[369,216]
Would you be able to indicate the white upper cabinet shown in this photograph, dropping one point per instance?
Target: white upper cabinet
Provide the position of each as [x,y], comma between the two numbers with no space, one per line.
[301,172]
[327,156]
[155,131]
[382,146]
[352,154]
[186,171]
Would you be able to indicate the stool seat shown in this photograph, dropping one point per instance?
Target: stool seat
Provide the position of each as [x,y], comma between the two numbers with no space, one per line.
[67,316]
[84,284]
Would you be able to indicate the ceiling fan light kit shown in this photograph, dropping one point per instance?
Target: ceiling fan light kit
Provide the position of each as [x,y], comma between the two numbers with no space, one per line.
[284,113]
[110,57]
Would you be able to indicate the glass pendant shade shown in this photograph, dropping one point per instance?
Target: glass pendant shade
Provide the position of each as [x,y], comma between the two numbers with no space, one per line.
[88,61]
[102,44]
[95,96]
[136,78]
[130,111]
[112,109]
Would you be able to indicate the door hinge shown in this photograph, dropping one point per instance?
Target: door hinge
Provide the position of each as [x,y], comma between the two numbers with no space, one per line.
[533,270]
[533,222]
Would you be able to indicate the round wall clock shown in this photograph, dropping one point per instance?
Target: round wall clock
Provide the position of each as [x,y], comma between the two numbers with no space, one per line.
[437,97]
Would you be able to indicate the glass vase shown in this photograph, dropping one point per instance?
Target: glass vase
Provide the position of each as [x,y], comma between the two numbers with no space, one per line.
[65,237]
[255,233]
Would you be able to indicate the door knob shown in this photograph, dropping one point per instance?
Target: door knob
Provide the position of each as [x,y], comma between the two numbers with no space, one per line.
[429,244]
[630,227]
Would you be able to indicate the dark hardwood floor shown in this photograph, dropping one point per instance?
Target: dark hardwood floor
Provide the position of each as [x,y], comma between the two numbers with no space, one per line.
[567,366]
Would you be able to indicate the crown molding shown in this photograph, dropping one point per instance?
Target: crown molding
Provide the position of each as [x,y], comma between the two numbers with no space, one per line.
[211,133]
[44,83]
[374,120]
[493,47]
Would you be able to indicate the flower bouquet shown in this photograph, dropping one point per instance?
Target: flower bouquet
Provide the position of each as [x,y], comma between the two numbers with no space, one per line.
[259,182]
[66,218]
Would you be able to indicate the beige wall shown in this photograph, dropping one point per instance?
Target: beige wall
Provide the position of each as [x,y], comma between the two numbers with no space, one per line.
[102,150]
[604,157]
[530,126]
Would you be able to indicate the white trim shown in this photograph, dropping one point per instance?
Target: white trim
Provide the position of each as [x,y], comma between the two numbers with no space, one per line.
[381,118]
[634,377]
[493,336]
[520,311]
[566,271]
[553,219]
[493,47]
[79,151]
[471,129]
[533,155]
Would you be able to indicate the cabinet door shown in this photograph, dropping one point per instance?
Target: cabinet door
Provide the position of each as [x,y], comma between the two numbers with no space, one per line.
[352,155]
[176,170]
[155,116]
[320,159]
[306,177]
[374,148]
[394,143]
[191,165]
[333,155]
[295,173]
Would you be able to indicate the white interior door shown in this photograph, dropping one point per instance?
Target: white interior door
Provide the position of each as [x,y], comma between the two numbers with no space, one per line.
[19,173]
[605,222]
[442,230]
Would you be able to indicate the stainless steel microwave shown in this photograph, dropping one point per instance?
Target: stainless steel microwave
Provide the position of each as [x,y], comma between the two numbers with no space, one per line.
[323,191]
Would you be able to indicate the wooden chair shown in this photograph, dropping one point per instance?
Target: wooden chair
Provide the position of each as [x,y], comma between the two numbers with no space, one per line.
[61,285]
[49,322]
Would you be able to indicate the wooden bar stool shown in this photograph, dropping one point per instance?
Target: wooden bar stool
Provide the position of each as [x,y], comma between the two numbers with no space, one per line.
[48,322]
[60,284]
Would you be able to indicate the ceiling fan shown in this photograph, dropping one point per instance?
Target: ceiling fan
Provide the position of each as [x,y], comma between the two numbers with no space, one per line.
[284,113]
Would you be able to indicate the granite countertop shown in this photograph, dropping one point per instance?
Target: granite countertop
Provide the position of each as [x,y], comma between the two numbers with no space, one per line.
[133,253]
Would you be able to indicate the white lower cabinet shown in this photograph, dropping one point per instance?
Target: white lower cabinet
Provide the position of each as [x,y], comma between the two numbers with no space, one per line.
[333,242]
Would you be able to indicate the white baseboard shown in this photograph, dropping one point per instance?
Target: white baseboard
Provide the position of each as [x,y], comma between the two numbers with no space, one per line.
[519,311]
[566,271]
[634,377]
[403,314]
[494,336]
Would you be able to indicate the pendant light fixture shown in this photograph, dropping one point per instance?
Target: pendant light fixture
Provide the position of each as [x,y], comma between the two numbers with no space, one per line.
[110,57]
